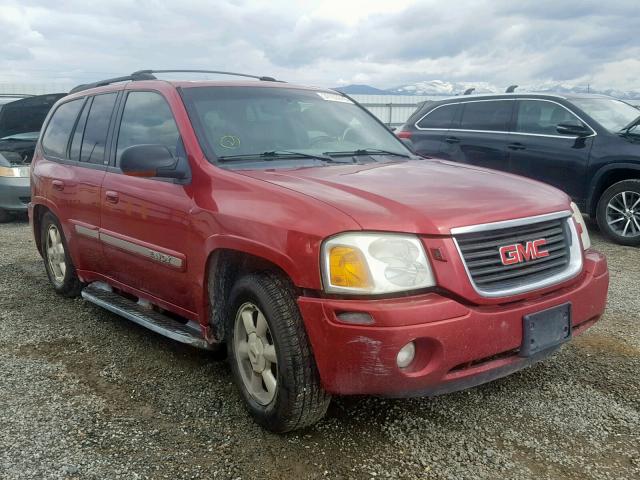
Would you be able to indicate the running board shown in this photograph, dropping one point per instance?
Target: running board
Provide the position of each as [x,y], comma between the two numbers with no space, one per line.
[189,333]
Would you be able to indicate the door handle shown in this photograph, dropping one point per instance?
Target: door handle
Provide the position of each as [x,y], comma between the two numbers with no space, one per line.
[452,140]
[58,184]
[111,197]
[516,146]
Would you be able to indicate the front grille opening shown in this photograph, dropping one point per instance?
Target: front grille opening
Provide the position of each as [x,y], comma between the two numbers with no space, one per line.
[481,254]
[480,361]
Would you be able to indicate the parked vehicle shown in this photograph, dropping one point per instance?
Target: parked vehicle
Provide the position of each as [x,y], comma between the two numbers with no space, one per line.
[586,145]
[291,226]
[20,122]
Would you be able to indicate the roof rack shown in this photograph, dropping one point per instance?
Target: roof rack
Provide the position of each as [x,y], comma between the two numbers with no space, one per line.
[149,75]
[511,89]
[469,91]
[12,95]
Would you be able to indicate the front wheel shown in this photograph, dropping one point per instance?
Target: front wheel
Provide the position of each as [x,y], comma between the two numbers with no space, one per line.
[618,212]
[270,355]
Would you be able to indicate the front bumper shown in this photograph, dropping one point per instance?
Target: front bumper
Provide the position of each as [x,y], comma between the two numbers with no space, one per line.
[457,345]
[15,193]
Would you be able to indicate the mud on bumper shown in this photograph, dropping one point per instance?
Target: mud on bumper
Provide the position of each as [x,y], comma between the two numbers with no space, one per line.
[457,346]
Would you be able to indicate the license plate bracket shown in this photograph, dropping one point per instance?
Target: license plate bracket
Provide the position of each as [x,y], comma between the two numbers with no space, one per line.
[545,329]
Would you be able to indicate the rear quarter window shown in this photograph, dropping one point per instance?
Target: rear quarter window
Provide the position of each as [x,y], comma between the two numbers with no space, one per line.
[56,137]
[440,117]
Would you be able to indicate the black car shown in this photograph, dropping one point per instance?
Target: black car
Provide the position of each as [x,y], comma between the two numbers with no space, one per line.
[586,145]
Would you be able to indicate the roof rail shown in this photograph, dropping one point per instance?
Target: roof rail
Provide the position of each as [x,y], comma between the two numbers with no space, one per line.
[149,75]
[257,77]
[468,91]
[134,76]
[21,95]
[511,89]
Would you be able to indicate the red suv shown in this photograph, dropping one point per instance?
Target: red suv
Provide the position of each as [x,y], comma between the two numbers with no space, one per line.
[290,225]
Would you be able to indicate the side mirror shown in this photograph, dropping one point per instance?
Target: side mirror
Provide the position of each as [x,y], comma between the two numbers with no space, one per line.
[575,129]
[152,161]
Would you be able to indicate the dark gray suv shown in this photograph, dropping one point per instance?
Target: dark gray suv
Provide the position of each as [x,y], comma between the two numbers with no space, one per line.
[586,145]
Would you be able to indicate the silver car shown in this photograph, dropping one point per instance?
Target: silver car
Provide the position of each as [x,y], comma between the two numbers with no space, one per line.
[20,123]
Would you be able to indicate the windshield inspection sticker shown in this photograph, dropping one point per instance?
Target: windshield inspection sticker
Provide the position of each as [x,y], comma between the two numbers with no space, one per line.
[334,97]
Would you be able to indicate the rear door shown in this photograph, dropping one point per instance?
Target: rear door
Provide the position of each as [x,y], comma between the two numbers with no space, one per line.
[430,130]
[538,151]
[480,137]
[146,222]
[72,170]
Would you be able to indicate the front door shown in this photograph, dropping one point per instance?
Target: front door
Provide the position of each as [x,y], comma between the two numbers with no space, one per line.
[146,222]
[537,150]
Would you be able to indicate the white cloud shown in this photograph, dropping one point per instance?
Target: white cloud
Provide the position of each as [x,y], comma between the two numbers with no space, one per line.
[331,42]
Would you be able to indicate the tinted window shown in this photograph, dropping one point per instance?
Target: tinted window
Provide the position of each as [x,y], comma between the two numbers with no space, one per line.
[441,117]
[56,138]
[95,132]
[612,114]
[147,119]
[78,133]
[491,115]
[542,117]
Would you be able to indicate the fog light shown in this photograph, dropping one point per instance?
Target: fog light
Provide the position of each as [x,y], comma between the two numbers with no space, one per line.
[406,354]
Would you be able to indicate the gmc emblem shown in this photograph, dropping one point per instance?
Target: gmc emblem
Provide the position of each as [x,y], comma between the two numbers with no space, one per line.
[518,252]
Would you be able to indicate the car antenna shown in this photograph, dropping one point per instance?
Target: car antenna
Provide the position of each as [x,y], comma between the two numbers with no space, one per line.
[511,89]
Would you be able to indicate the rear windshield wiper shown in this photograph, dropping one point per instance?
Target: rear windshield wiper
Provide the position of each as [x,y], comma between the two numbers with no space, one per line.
[278,155]
[368,151]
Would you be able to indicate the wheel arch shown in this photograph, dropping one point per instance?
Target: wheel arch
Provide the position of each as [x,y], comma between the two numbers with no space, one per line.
[224,266]
[607,176]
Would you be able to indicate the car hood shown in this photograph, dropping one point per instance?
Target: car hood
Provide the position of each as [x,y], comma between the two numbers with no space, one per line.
[420,196]
[26,114]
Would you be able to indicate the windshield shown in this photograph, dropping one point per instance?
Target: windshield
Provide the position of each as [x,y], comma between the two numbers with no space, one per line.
[234,122]
[612,114]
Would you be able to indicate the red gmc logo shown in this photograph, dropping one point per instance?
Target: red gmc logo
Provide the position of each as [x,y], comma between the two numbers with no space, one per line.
[518,253]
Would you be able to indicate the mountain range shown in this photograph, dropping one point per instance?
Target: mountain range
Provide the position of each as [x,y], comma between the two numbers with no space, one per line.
[444,88]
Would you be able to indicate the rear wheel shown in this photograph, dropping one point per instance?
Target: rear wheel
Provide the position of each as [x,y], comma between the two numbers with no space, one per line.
[618,212]
[60,269]
[270,355]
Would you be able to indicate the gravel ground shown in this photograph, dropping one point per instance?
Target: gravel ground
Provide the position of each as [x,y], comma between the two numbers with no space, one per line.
[85,394]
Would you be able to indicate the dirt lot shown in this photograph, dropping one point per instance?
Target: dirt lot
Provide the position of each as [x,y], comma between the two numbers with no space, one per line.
[86,394]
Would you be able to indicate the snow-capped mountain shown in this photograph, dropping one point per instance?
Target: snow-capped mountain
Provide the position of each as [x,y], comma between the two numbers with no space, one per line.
[444,88]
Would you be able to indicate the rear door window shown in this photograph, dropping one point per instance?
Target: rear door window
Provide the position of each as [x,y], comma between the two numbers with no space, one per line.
[147,119]
[541,117]
[95,132]
[492,115]
[56,137]
[440,117]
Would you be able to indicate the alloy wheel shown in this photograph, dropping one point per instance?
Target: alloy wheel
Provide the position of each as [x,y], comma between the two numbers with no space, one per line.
[55,254]
[623,214]
[255,352]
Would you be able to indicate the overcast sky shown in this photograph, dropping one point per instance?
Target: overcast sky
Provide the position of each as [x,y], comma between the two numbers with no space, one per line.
[331,42]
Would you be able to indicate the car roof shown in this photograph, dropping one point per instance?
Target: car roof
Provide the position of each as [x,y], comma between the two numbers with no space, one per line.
[515,95]
[161,83]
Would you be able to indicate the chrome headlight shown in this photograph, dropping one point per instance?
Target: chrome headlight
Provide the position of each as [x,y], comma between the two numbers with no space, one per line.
[375,263]
[582,227]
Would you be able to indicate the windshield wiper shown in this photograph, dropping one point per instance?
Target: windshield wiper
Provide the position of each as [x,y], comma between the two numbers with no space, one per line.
[278,155]
[368,151]
[626,129]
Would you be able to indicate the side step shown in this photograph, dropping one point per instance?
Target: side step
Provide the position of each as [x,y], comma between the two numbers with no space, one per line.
[189,333]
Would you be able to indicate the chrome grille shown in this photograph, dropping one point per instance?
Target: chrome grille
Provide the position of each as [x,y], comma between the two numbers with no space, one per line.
[480,251]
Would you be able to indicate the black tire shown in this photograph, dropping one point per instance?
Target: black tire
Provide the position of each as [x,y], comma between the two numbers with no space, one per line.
[4,216]
[299,399]
[70,285]
[601,212]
